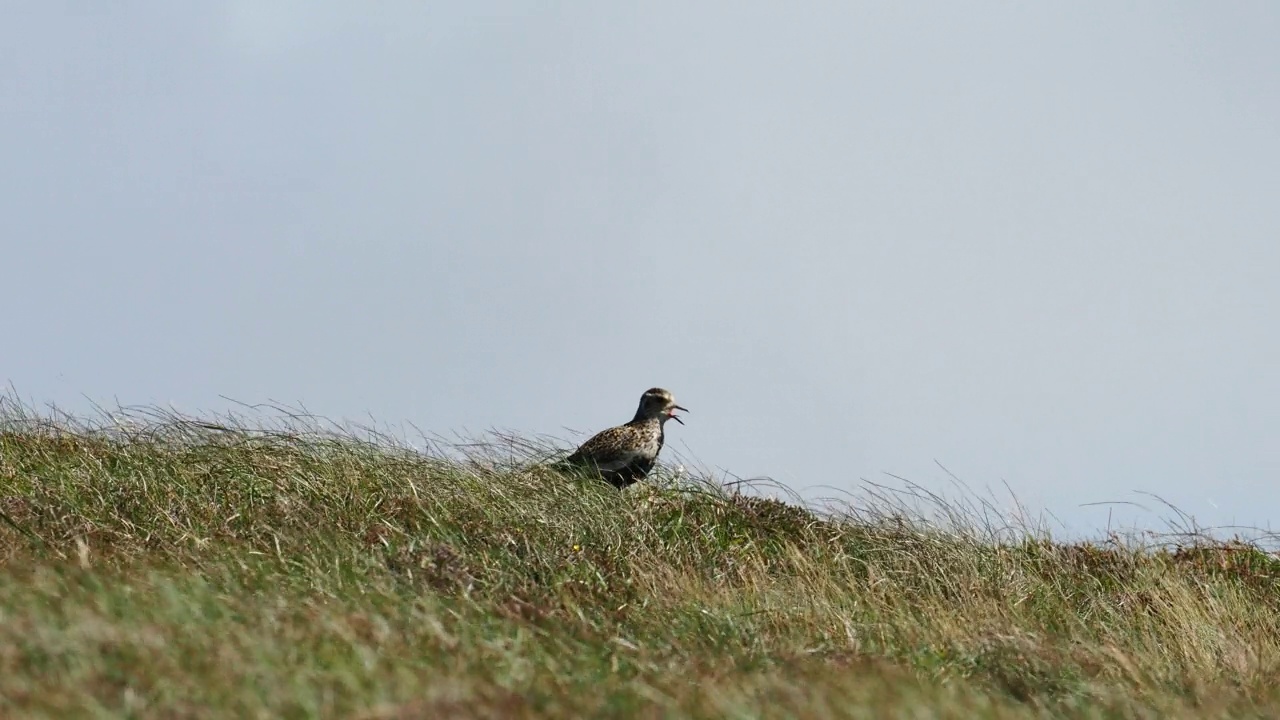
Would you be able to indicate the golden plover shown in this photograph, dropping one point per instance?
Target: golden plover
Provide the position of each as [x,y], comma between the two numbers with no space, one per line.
[625,454]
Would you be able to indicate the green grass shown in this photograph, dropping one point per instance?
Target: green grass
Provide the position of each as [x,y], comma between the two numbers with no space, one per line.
[169,568]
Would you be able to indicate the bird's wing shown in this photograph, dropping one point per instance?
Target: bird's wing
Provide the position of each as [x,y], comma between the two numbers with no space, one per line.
[606,451]
[602,443]
[618,461]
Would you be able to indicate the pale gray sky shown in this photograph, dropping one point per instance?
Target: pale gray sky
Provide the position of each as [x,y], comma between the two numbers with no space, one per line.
[1034,242]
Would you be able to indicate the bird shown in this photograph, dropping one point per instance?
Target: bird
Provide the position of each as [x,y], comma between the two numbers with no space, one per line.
[625,454]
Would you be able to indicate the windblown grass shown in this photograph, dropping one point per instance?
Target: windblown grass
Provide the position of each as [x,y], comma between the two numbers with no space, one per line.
[159,566]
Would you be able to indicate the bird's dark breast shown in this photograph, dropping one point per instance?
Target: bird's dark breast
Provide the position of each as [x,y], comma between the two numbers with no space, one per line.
[629,475]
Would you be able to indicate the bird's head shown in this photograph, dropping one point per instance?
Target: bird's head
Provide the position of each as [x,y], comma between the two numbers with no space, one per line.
[659,403]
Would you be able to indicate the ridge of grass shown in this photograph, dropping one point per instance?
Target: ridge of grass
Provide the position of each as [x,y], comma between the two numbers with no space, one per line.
[161,566]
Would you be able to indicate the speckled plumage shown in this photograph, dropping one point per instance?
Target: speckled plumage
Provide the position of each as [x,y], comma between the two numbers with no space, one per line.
[625,454]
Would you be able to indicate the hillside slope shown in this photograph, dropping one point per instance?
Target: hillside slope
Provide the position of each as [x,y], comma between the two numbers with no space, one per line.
[174,569]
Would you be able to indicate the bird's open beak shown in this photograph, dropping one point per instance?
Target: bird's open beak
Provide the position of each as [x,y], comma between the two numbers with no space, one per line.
[672,413]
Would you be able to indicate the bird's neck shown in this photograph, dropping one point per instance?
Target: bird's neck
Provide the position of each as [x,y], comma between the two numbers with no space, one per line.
[643,418]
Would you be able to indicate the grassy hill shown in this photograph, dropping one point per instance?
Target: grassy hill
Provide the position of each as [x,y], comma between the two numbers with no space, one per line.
[171,568]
